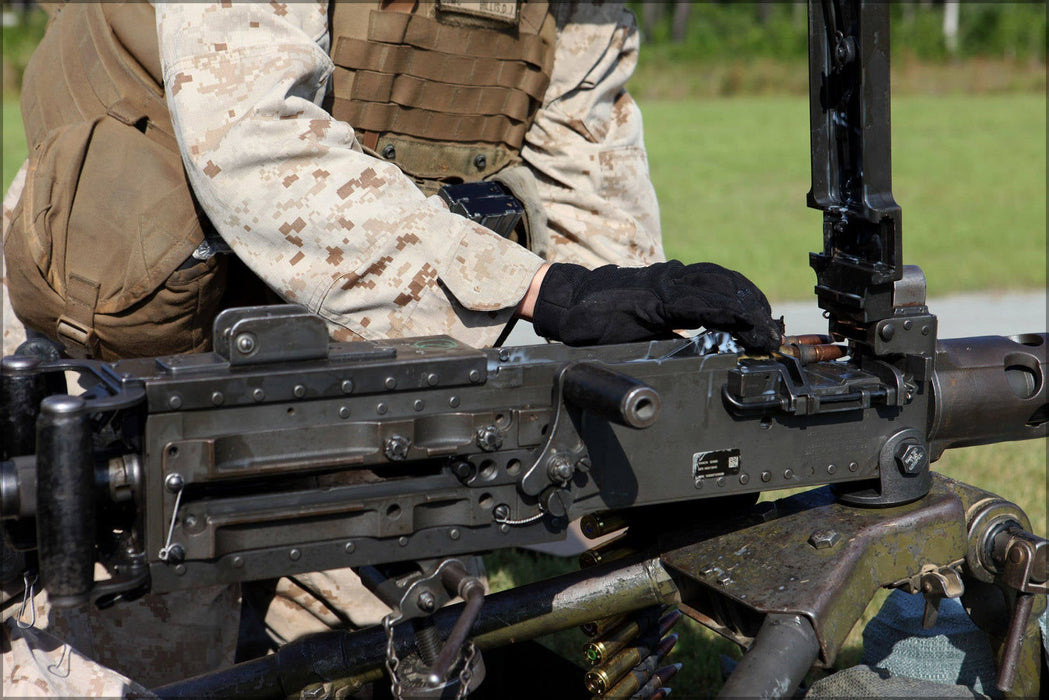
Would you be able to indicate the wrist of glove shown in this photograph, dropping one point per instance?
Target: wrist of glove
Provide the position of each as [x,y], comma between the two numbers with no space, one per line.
[613,304]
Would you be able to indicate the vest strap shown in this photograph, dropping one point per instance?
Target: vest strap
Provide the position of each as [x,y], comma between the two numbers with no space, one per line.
[75,328]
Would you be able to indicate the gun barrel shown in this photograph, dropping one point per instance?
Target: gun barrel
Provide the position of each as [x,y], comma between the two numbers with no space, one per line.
[989,389]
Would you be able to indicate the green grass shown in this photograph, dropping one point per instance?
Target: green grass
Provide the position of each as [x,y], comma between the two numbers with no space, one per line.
[969,174]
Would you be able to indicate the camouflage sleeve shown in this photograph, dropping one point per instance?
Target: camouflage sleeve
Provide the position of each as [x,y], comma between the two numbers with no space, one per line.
[289,189]
[12,329]
[586,146]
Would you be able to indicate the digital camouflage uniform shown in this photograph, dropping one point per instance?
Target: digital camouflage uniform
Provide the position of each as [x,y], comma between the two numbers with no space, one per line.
[350,237]
[13,334]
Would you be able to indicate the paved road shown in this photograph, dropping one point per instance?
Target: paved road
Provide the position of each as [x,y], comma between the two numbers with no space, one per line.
[959,316]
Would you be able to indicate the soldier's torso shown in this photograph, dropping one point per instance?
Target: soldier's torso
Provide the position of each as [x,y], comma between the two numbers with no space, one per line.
[446,89]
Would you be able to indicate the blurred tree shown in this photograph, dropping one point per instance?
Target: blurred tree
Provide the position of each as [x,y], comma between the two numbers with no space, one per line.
[950,26]
[653,15]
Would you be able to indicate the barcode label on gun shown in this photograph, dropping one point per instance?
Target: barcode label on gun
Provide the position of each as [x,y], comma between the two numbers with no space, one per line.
[715,463]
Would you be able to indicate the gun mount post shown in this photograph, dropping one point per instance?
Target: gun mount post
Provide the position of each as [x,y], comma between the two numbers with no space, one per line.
[776,663]
[65,500]
[22,388]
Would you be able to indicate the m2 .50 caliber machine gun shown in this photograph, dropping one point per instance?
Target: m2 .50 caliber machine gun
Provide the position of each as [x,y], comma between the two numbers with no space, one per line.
[281,452]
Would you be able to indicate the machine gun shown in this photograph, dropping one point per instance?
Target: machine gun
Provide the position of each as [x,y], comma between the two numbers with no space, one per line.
[281,452]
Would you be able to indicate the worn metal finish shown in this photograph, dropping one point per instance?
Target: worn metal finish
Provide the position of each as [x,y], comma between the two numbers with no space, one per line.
[1014,640]
[1008,374]
[748,569]
[510,616]
[776,663]
[1026,663]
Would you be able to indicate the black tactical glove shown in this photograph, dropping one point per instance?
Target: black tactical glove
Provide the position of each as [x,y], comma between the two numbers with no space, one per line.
[626,304]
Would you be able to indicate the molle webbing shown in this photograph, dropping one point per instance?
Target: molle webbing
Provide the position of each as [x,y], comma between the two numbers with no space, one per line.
[418,71]
[405,60]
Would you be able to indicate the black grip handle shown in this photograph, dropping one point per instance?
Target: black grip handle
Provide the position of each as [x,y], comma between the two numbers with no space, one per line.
[611,395]
[65,516]
[22,387]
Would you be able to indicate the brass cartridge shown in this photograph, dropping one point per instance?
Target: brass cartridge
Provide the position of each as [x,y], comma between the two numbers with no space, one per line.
[647,674]
[595,525]
[599,628]
[601,678]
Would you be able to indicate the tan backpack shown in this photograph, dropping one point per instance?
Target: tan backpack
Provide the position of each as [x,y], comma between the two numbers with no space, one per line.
[100,250]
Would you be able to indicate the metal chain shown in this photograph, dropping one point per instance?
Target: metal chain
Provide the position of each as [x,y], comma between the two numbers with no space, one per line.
[523,521]
[466,674]
[392,662]
[165,551]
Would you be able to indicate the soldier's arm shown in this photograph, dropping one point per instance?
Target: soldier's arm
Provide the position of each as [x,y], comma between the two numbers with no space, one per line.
[13,331]
[587,148]
[289,189]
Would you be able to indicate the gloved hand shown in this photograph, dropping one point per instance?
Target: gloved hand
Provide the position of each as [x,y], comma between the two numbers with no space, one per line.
[626,304]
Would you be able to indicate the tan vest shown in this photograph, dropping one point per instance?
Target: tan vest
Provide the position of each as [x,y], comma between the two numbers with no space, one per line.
[445,88]
[99,251]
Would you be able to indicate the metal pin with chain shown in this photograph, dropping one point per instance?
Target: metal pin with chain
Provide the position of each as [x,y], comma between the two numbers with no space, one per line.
[30,579]
[175,484]
[466,673]
[392,662]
